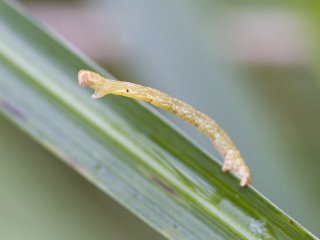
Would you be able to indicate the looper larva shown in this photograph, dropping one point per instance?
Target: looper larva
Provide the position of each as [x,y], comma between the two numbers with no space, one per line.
[233,161]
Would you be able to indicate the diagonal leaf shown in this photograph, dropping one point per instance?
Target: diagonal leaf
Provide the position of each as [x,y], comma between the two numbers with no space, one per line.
[123,147]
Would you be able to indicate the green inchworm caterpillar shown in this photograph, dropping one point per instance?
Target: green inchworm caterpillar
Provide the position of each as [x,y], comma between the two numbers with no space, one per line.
[233,161]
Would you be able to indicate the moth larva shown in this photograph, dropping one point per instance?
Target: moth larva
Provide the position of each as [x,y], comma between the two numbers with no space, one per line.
[233,161]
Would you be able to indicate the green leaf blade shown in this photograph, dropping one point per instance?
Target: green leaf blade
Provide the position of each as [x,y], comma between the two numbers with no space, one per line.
[124,148]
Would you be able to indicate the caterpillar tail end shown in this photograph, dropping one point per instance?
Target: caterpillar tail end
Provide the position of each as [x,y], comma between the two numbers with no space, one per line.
[239,169]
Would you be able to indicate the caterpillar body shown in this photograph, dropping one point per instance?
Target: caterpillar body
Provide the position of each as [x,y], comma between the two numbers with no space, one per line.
[233,160]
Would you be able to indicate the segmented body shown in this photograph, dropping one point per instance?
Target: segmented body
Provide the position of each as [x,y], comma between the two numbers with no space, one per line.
[232,158]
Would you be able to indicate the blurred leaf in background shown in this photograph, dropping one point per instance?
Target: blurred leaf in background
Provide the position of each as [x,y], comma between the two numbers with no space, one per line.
[252,66]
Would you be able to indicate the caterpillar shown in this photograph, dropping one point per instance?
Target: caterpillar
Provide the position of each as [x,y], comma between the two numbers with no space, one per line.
[233,160]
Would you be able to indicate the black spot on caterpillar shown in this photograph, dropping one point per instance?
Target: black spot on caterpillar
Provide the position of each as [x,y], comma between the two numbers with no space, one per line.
[233,160]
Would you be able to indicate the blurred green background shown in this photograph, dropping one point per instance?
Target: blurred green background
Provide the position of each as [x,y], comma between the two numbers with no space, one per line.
[253,66]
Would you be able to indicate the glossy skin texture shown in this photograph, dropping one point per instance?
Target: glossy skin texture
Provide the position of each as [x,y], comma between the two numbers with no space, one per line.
[233,161]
